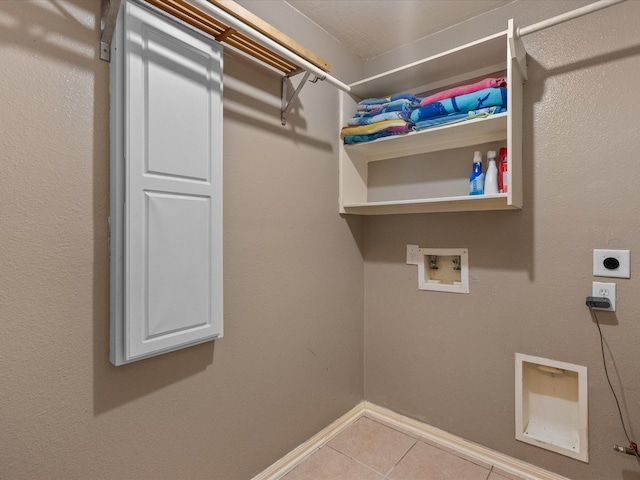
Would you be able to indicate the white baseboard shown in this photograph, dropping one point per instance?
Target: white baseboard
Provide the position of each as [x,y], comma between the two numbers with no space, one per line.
[297,455]
[502,464]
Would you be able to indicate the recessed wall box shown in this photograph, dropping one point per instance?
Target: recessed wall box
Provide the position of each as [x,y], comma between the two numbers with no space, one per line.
[551,405]
[443,269]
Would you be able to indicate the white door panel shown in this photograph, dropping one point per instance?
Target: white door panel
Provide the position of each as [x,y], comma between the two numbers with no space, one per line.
[177,107]
[170,101]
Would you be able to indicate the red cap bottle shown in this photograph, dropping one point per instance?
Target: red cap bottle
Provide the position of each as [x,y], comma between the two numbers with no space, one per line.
[503,174]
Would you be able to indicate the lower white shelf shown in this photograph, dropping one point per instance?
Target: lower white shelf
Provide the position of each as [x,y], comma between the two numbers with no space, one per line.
[466,203]
[453,135]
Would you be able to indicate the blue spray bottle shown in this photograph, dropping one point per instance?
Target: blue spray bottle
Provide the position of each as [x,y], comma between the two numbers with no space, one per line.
[476,179]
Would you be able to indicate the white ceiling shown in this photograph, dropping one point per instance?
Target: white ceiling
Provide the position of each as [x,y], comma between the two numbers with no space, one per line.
[372,27]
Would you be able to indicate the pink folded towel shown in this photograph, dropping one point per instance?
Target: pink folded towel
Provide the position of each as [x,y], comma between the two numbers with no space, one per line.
[463,89]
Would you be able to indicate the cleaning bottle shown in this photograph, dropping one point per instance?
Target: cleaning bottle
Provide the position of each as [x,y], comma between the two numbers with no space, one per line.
[476,178]
[491,178]
[503,171]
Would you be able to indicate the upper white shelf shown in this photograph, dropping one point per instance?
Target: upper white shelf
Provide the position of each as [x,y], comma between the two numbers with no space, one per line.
[484,55]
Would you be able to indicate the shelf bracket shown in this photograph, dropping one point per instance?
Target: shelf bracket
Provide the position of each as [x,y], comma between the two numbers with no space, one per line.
[110,10]
[287,104]
[516,49]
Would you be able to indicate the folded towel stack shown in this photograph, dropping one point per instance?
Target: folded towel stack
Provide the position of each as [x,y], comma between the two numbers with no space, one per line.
[489,97]
[475,100]
[380,117]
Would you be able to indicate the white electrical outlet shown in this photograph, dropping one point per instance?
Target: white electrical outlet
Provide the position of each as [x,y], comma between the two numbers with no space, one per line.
[606,290]
[412,254]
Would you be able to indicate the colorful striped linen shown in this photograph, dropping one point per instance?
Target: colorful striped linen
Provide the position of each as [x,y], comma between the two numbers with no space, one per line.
[396,126]
[464,89]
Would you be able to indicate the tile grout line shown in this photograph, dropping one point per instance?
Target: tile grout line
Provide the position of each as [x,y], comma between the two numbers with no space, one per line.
[401,458]
[489,474]
[295,457]
[419,438]
[368,467]
[439,446]
[466,458]
[392,427]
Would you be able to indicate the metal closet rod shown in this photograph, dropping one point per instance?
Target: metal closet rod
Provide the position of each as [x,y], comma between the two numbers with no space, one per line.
[267,42]
[578,12]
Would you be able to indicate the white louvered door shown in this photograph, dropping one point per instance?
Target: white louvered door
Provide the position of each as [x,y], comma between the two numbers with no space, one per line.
[168,90]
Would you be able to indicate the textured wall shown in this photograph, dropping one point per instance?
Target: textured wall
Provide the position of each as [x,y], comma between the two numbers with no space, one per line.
[291,359]
[449,359]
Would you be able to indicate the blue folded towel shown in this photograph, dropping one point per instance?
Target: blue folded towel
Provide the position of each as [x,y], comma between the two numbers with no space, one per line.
[488,97]
[351,139]
[400,96]
[400,104]
[458,117]
[378,117]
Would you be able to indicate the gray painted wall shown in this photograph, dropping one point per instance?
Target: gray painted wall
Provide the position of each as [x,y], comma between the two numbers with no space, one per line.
[297,301]
[291,360]
[448,359]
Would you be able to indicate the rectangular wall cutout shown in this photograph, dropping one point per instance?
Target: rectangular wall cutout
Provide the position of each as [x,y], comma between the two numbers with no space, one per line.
[443,269]
[551,405]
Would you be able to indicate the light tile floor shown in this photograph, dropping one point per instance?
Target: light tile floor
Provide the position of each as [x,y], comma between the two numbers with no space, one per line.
[369,450]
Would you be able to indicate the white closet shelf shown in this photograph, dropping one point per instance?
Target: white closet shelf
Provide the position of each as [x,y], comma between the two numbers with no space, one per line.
[461,134]
[475,59]
[464,203]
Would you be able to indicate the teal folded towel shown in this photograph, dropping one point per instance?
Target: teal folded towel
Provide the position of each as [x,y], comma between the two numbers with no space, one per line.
[488,97]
